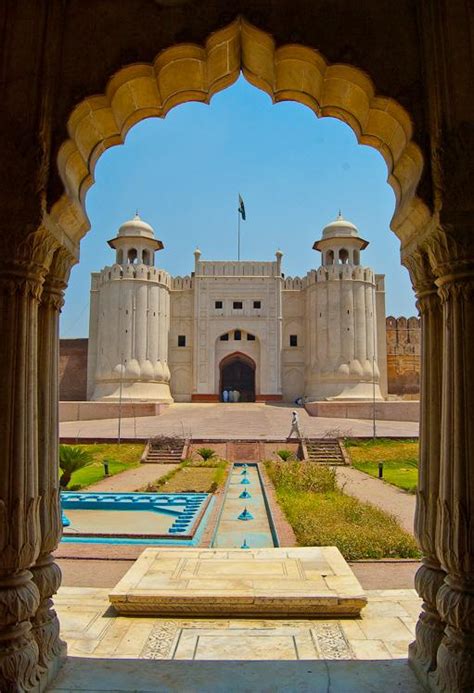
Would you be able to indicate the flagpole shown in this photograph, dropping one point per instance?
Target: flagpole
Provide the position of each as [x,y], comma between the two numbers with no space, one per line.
[238,235]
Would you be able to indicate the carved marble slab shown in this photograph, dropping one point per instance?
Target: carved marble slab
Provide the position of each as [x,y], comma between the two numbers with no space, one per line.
[307,582]
[251,640]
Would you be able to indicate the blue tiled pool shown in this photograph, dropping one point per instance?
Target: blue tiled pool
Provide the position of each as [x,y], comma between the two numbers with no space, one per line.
[135,518]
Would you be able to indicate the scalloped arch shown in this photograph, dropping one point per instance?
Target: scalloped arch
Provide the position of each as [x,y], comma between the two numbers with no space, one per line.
[188,72]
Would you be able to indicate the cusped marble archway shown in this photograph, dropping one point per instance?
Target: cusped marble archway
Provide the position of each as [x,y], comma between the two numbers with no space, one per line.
[188,72]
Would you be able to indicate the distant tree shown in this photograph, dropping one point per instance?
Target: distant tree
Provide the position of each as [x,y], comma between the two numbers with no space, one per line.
[206,453]
[71,459]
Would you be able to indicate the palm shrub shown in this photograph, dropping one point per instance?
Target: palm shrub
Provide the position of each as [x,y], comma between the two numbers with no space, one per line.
[71,458]
[285,455]
[206,453]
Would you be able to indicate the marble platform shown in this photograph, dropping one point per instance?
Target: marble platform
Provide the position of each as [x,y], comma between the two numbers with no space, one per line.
[277,582]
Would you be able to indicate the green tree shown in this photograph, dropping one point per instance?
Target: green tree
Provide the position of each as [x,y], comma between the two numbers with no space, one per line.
[71,459]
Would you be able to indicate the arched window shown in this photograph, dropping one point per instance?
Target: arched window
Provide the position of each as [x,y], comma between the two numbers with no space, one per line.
[330,257]
[120,257]
[132,256]
[146,257]
[343,256]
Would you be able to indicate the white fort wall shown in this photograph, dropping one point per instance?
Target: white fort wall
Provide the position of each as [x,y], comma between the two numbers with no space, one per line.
[130,322]
[342,345]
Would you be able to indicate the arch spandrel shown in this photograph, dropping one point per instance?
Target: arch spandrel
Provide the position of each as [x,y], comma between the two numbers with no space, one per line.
[188,72]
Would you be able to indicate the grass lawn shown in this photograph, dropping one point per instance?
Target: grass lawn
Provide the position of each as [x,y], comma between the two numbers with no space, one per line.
[192,476]
[321,515]
[120,458]
[399,457]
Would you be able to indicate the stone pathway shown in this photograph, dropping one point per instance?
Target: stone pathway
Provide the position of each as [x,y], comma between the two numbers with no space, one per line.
[231,422]
[133,479]
[385,496]
[112,653]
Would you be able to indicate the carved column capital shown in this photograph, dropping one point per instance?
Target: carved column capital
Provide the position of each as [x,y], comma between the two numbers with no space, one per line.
[450,250]
[421,274]
[23,267]
[56,280]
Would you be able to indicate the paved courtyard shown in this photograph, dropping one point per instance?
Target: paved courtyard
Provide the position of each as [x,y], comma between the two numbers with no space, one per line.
[233,422]
[111,653]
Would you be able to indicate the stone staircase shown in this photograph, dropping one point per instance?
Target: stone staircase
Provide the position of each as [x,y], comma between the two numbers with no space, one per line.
[158,455]
[325,451]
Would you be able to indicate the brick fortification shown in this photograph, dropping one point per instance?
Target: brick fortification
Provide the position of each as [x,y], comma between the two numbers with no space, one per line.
[73,370]
[403,355]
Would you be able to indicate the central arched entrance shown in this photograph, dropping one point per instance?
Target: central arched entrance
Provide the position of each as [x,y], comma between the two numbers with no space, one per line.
[237,372]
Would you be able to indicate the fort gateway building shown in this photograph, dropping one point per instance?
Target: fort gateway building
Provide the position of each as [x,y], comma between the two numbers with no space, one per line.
[237,326]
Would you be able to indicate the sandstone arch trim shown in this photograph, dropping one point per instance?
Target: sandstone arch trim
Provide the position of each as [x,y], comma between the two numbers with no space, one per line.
[188,72]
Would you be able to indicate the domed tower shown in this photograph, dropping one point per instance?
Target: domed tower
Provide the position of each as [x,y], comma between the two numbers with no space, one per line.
[342,360]
[129,321]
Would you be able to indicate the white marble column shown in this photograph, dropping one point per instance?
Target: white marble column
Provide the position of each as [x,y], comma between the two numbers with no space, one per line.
[430,576]
[22,271]
[452,257]
[46,573]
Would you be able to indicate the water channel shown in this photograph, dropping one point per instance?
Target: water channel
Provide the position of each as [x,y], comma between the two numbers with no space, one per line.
[245,519]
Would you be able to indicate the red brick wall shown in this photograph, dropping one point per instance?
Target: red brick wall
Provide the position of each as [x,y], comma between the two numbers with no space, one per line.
[73,369]
[403,355]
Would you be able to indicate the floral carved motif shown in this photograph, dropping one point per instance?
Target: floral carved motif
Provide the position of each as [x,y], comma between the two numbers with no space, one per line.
[19,536]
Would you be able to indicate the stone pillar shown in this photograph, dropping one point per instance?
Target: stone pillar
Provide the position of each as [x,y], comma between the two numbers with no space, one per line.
[452,258]
[22,272]
[46,574]
[430,576]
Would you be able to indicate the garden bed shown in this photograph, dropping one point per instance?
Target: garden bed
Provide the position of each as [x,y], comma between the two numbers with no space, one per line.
[192,476]
[120,458]
[322,515]
[399,457]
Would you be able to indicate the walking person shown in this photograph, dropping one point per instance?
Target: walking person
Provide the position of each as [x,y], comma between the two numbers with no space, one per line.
[295,428]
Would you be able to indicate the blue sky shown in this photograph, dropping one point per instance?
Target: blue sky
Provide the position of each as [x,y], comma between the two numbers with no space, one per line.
[184,174]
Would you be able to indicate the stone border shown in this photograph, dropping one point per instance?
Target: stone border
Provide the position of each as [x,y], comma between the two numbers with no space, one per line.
[284,530]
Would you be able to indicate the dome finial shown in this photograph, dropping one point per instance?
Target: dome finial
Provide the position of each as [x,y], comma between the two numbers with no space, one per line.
[339,216]
[137,216]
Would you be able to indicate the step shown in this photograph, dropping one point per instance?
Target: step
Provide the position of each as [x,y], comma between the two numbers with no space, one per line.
[325,452]
[296,582]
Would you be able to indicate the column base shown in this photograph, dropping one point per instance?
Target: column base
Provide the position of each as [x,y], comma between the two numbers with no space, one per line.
[48,674]
[426,678]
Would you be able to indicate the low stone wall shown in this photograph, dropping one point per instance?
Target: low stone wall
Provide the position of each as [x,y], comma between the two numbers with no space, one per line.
[384,411]
[91,411]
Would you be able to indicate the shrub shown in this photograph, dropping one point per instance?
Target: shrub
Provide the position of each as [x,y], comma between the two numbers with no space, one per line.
[306,476]
[206,453]
[285,455]
[71,459]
